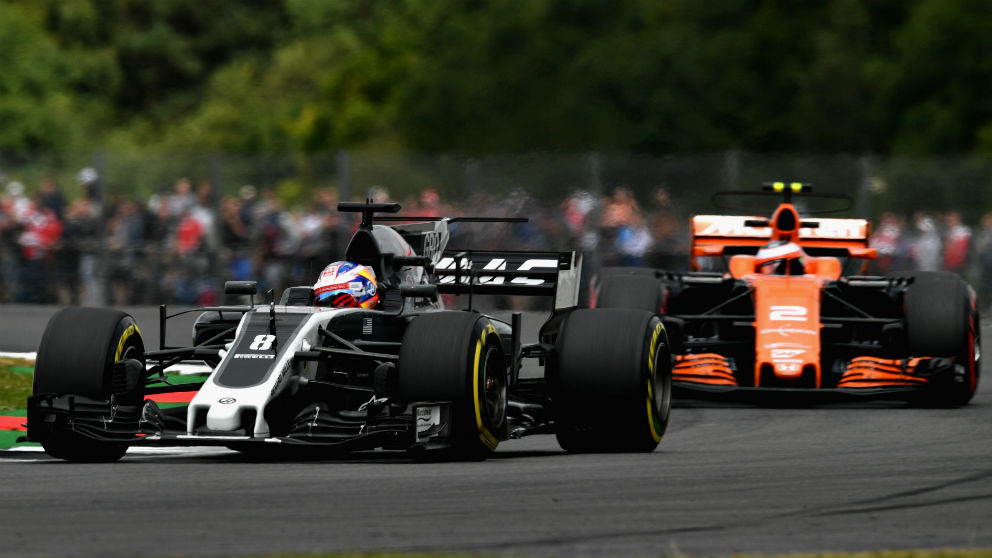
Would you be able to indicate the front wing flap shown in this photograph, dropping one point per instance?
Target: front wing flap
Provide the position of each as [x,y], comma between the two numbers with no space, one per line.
[715,375]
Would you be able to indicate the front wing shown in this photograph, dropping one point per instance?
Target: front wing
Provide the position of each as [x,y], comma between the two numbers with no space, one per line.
[423,425]
[711,375]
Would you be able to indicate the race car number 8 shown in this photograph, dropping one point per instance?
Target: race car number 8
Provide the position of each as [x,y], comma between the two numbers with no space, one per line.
[262,342]
[788,313]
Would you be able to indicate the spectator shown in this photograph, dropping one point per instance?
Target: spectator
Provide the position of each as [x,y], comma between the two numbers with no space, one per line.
[76,255]
[926,246]
[182,198]
[125,240]
[10,250]
[235,240]
[50,197]
[191,265]
[628,235]
[983,255]
[956,244]
[88,234]
[886,239]
[41,232]
[670,248]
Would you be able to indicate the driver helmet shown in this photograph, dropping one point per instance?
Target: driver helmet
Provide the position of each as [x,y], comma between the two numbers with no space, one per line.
[346,285]
[780,258]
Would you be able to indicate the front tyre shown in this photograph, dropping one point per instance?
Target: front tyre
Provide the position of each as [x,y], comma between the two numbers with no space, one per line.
[612,381]
[942,321]
[458,357]
[76,358]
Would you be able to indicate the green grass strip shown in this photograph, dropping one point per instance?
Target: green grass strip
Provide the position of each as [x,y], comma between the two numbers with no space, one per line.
[15,384]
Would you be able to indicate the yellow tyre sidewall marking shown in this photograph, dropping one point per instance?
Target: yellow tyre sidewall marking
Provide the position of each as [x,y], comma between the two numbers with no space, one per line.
[485,435]
[131,330]
[652,414]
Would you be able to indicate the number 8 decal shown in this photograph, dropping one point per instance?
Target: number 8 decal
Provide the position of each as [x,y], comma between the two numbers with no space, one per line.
[262,342]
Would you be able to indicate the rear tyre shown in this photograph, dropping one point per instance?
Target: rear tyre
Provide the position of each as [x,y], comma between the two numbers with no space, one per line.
[76,357]
[458,357]
[620,290]
[942,321]
[613,381]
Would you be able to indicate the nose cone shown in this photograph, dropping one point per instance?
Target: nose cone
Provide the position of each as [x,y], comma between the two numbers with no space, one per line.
[224,414]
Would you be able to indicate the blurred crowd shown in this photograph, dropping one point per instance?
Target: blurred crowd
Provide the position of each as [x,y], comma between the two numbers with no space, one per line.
[181,244]
[936,242]
[175,247]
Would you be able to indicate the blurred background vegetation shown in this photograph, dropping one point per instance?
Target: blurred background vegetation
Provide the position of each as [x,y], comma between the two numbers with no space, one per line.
[441,93]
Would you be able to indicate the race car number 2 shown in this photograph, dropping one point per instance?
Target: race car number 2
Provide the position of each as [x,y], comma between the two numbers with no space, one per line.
[788,313]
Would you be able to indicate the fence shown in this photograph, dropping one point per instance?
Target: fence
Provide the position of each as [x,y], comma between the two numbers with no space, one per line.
[140,234]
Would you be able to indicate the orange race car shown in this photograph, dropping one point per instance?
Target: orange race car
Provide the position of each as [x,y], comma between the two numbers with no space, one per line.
[789,311]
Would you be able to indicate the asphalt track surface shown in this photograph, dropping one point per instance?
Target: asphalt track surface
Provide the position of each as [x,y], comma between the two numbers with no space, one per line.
[726,479]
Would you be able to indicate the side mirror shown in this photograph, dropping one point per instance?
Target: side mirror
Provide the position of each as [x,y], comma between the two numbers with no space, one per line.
[419,291]
[249,288]
[866,253]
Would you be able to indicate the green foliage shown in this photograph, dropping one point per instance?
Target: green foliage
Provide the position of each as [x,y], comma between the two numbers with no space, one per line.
[32,101]
[493,76]
[15,383]
[941,73]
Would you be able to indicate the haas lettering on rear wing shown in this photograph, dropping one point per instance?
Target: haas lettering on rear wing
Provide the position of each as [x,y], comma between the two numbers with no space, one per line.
[511,273]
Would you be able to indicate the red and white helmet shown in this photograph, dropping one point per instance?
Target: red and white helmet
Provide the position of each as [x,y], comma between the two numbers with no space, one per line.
[346,285]
[780,258]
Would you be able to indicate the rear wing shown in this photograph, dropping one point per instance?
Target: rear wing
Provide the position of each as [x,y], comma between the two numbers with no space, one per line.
[513,273]
[717,235]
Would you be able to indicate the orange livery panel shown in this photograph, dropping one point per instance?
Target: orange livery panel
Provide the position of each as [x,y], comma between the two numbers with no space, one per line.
[786,329]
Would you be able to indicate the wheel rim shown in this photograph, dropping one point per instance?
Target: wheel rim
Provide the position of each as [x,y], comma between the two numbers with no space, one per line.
[660,394]
[662,390]
[976,351]
[494,388]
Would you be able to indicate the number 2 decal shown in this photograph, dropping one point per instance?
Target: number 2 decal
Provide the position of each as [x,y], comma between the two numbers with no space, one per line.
[788,313]
[262,342]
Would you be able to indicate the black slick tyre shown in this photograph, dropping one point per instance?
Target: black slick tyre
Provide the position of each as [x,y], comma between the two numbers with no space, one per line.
[76,357]
[612,381]
[641,292]
[458,357]
[942,321]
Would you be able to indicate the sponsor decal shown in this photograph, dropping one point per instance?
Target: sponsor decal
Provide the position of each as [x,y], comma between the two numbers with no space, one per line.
[727,225]
[449,264]
[427,418]
[499,264]
[779,354]
[785,331]
[432,245]
[836,228]
[733,226]
[226,400]
[282,376]
[533,264]
[254,356]
[786,367]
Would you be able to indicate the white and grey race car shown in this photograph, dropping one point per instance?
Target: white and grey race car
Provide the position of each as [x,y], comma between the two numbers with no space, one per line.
[407,375]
